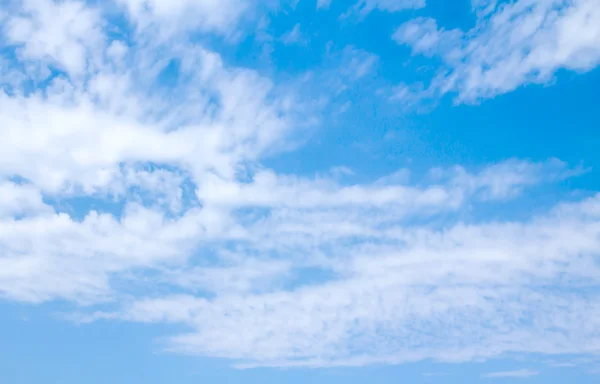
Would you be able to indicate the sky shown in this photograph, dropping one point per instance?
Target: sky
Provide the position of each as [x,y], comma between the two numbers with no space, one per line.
[324,191]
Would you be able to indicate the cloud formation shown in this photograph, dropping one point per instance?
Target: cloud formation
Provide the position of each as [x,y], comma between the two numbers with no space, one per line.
[132,156]
[512,44]
[454,294]
[521,373]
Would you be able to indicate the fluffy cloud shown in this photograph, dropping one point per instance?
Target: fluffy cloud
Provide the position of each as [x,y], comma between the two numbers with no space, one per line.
[75,132]
[516,43]
[54,256]
[133,127]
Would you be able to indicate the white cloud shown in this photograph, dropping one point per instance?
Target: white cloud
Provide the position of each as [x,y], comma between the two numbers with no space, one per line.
[424,36]
[357,63]
[323,4]
[304,216]
[54,256]
[484,7]
[498,181]
[20,199]
[74,135]
[526,41]
[240,274]
[109,131]
[363,7]
[342,71]
[230,19]
[521,373]
[293,37]
[435,374]
[219,16]
[68,33]
[487,295]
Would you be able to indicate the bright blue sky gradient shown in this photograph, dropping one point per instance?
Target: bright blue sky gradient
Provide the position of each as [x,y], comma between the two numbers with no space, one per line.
[295,191]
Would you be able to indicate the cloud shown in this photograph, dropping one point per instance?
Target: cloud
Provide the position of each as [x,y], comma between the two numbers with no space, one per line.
[341,74]
[323,4]
[521,373]
[488,295]
[309,214]
[53,256]
[455,185]
[119,114]
[67,33]
[364,7]
[20,199]
[293,37]
[513,44]
[424,36]
[221,17]
[435,374]
[239,274]
[134,127]
[357,63]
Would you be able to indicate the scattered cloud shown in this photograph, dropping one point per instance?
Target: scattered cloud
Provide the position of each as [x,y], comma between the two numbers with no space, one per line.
[357,63]
[521,373]
[424,37]
[513,44]
[294,36]
[49,31]
[324,4]
[435,374]
[364,7]
[220,17]
[487,296]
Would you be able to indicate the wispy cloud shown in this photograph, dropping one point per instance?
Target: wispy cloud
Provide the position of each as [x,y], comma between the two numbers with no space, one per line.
[294,36]
[521,373]
[363,7]
[435,374]
[525,41]
[485,297]
[323,4]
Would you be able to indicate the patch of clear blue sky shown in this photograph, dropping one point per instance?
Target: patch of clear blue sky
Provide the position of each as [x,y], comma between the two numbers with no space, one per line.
[381,137]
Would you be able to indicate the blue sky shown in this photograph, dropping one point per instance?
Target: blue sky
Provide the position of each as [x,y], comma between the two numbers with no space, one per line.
[339,191]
